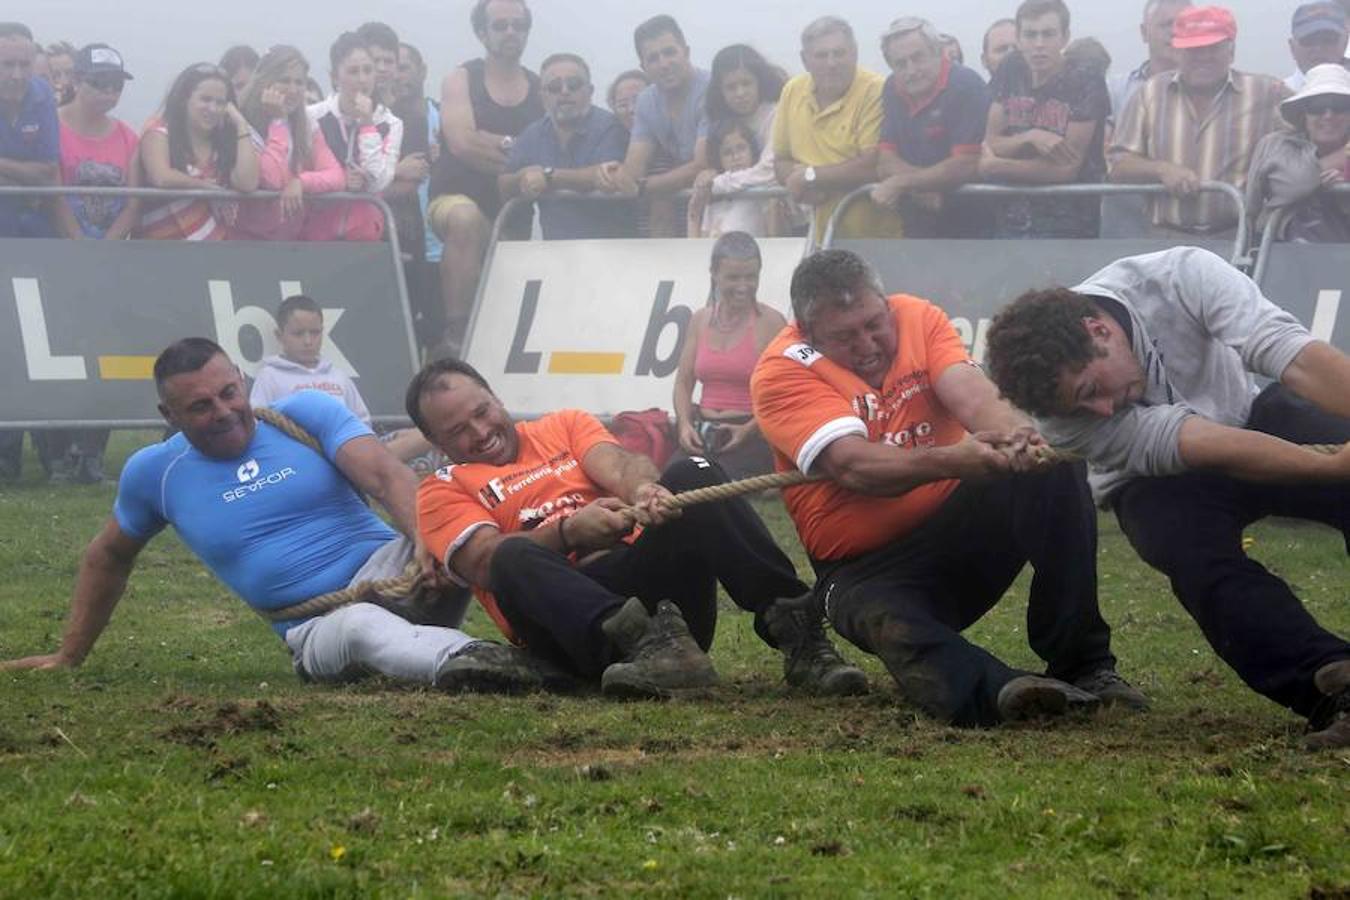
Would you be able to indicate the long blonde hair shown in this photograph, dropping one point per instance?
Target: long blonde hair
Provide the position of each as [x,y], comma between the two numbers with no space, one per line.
[270,68]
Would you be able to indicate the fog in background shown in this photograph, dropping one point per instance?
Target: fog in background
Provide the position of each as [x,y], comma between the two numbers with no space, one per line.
[159,39]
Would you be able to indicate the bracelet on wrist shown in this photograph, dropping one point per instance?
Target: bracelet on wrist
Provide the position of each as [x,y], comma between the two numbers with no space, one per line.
[567,549]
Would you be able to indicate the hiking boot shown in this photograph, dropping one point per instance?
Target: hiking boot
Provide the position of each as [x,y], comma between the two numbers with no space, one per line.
[1113,690]
[1329,727]
[659,654]
[810,661]
[484,667]
[1034,697]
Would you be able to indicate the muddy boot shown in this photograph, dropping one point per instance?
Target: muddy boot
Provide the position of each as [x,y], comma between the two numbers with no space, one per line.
[484,667]
[1034,697]
[1329,727]
[659,654]
[1113,690]
[810,661]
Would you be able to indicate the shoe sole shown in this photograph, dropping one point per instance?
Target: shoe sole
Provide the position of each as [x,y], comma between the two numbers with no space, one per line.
[623,688]
[844,683]
[483,680]
[1336,737]
[1332,678]
[1043,700]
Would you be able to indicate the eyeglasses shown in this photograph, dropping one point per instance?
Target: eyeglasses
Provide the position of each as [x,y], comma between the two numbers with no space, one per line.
[1319,106]
[519,26]
[107,85]
[571,85]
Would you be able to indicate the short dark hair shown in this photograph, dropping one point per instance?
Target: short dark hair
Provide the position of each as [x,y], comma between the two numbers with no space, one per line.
[294,304]
[414,53]
[424,382]
[181,357]
[378,34]
[828,278]
[240,56]
[630,75]
[984,44]
[1034,340]
[653,28]
[478,19]
[15,29]
[565,57]
[347,43]
[1031,9]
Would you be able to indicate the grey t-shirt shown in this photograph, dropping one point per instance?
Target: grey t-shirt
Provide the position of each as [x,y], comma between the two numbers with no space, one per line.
[675,131]
[1201,330]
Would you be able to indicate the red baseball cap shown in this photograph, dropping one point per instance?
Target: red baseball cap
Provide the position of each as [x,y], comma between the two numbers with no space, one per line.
[1203,26]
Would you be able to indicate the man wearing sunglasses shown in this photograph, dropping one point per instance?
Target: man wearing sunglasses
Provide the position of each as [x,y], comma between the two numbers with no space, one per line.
[576,147]
[485,104]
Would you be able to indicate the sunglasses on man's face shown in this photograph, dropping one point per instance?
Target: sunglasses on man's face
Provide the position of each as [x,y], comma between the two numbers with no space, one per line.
[519,26]
[111,85]
[1322,106]
[569,85]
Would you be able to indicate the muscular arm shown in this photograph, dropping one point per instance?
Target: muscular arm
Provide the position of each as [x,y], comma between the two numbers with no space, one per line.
[1320,374]
[477,149]
[379,474]
[28,174]
[1255,456]
[104,569]
[880,470]
[618,472]
[853,173]
[974,401]
[947,175]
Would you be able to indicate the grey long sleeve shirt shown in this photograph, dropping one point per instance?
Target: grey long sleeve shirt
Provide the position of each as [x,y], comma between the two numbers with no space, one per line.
[1201,331]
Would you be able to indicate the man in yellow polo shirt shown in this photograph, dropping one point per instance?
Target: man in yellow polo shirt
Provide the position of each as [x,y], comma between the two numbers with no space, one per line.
[827,129]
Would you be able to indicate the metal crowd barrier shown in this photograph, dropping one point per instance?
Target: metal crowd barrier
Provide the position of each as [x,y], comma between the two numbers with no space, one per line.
[1274,225]
[1241,243]
[391,241]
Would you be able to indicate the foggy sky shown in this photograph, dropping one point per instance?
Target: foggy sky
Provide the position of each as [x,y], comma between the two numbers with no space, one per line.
[159,39]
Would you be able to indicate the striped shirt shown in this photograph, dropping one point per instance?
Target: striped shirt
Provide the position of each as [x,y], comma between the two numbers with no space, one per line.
[1160,122]
[184,219]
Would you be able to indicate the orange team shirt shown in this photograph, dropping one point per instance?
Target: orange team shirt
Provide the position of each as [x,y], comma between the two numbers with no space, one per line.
[803,403]
[544,484]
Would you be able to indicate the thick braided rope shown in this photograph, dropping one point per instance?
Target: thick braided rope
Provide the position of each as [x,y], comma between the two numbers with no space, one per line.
[402,585]
[287,426]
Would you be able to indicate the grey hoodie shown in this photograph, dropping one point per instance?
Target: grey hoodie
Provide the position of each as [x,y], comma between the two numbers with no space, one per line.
[1201,329]
[279,377]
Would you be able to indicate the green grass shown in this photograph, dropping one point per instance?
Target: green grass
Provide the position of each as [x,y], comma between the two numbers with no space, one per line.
[184,759]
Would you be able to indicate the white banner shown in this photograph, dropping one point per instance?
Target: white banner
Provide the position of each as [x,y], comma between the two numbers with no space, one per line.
[598,325]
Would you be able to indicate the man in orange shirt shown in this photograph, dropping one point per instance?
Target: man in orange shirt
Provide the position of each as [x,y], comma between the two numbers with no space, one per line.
[916,533]
[543,517]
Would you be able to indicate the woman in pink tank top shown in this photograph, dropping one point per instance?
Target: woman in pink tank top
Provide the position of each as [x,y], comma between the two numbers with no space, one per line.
[724,342]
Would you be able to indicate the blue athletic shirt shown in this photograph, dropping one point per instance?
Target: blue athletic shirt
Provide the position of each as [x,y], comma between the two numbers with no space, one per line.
[279,524]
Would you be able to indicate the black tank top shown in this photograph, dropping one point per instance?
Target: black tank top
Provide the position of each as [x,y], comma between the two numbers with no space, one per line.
[452,176]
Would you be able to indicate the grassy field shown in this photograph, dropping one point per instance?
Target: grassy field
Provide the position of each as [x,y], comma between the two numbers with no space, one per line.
[184,759]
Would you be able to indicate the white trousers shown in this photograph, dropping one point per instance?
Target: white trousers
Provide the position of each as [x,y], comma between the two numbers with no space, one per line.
[363,638]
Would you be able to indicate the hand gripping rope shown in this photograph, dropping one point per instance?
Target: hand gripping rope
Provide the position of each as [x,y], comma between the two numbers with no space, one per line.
[402,585]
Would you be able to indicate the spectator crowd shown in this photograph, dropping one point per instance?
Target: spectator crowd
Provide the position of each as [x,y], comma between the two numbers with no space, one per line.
[741,147]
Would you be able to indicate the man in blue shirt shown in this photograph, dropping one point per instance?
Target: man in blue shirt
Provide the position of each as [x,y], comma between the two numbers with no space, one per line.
[934,117]
[279,523]
[576,147]
[30,151]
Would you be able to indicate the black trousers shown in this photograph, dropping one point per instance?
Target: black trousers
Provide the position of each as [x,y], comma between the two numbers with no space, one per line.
[557,608]
[1189,527]
[909,601]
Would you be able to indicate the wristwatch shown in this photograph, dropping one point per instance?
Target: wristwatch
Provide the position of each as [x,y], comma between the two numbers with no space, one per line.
[507,143]
[810,175]
[548,175]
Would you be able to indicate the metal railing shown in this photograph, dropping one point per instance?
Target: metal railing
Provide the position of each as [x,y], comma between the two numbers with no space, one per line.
[515,204]
[391,241]
[1275,224]
[1241,242]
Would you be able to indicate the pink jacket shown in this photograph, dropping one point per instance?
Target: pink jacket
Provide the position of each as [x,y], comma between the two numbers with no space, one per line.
[261,220]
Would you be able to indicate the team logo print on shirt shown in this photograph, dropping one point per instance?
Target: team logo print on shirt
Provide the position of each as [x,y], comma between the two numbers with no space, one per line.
[867,407]
[248,471]
[492,494]
[445,473]
[804,354]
